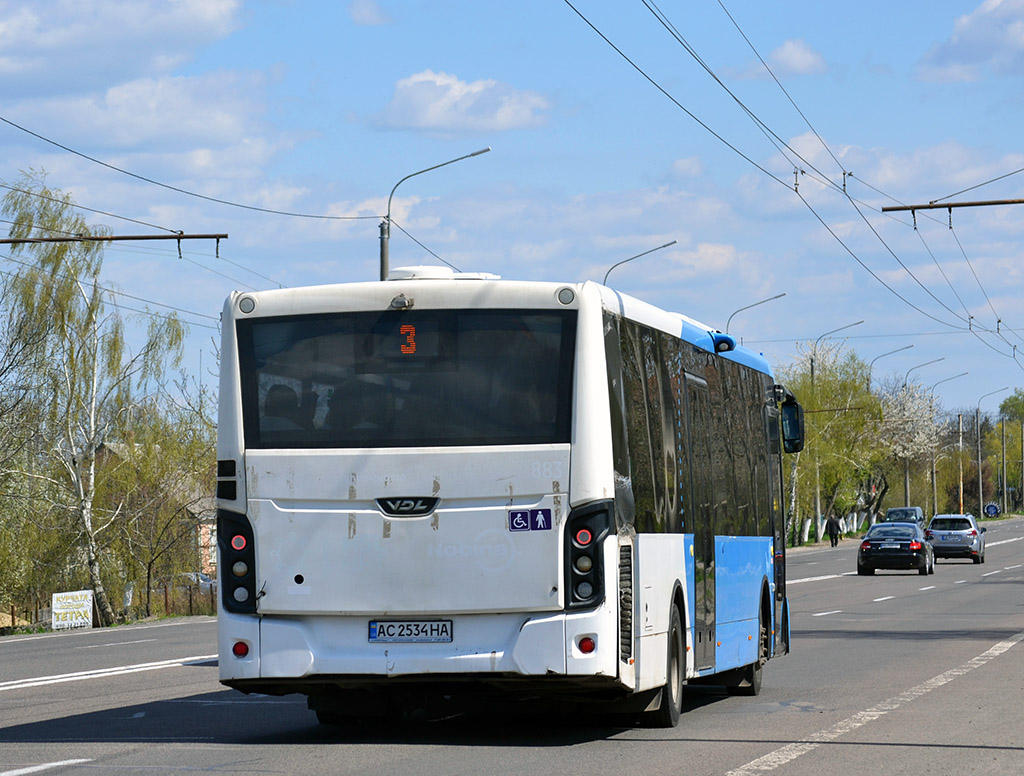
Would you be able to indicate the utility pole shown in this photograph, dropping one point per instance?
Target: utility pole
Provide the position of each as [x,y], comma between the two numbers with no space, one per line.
[960,458]
[1002,427]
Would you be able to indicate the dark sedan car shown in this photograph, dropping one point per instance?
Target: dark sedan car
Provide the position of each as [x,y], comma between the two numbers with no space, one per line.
[895,546]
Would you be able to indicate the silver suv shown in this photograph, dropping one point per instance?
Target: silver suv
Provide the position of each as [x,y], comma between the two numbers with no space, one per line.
[957,536]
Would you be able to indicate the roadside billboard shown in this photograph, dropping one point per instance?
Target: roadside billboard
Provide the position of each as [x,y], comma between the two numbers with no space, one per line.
[72,610]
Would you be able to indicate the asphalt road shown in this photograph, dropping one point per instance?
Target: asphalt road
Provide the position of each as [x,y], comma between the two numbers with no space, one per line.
[895,673]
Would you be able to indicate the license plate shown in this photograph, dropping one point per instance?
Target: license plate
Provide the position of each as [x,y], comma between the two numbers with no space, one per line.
[890,546]
[951,538]
[411,631]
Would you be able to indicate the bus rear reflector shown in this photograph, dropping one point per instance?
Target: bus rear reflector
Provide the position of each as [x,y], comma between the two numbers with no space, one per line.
[240,649]
[587,645]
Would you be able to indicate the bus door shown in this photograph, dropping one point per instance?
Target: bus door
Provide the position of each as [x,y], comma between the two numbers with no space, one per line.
[703,524]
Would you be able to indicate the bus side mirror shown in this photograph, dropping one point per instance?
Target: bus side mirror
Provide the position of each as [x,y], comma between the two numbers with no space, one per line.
[792,415]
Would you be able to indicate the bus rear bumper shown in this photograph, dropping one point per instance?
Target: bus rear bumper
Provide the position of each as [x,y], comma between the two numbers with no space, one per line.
[337,649]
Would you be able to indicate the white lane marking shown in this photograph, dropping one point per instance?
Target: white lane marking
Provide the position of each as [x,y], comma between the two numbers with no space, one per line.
[885,598]
[1003,541]
[114,644]
[959,581]
[997,571]
[39,681]
[45,767]
[102,631]
[825,614]
[790,752]
[1010,568]
[819,579]
[930,587]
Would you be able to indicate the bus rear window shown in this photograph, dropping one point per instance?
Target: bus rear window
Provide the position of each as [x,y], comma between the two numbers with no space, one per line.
[413,378]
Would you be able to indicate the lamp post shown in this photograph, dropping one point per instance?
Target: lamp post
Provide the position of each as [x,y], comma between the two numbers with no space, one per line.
[872,363]
[814,351]
[906,461]
[926,363]
[755,304]
[946,380]
[618,263]
[817,452]
[977,421]
[385,224]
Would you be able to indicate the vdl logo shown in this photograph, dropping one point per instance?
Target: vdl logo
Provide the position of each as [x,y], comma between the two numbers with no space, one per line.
[414,506]
[529,520]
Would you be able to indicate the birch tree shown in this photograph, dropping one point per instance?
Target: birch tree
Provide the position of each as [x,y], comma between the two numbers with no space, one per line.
[88,376]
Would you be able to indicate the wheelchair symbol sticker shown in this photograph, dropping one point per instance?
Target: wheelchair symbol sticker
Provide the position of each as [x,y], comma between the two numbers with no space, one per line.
[529,520]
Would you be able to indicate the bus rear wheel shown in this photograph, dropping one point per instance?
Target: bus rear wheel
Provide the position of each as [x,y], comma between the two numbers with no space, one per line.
[671,696]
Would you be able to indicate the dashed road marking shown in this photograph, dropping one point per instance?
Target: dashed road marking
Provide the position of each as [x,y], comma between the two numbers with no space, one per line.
[790,752]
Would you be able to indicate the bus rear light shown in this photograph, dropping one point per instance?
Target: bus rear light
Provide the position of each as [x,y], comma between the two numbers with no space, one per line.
[240,649]
[587,645]
[237,556]
[585,529]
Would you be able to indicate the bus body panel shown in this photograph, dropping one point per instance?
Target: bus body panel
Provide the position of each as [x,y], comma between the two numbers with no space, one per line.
[744,564]
[339,553]
[660,568]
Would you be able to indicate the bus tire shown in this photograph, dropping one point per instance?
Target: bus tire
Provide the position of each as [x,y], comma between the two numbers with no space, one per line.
[671,695]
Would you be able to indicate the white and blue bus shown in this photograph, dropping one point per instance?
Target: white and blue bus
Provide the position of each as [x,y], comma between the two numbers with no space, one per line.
[445,487]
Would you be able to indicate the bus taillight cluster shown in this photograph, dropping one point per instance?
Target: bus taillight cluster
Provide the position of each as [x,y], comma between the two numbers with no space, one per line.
[587,526]
[238,559]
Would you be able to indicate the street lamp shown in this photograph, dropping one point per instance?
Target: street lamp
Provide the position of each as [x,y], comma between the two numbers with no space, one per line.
[946,380]
[817,452]
[385,224]
[755,304]
[977,421]
[872,363]
[814,351]
[616,264]
[926,363]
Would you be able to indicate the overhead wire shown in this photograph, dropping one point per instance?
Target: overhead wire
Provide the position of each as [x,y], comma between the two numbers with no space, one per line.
[678,104]
[976,186]
[424,247]
[827,181]
[150,313]
[803,199]
[176,188]
[826,147]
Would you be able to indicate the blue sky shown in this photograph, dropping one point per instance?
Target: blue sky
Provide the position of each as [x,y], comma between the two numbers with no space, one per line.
[321,108]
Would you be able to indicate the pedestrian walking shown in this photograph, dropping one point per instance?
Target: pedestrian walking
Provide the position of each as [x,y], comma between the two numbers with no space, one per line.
[832,529]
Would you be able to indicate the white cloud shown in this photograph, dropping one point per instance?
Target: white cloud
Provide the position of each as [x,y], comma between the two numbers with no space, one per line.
[795,57]
[52,46]
[991,36]
[368,12]
[176,112]
[690,167]
[440,101]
